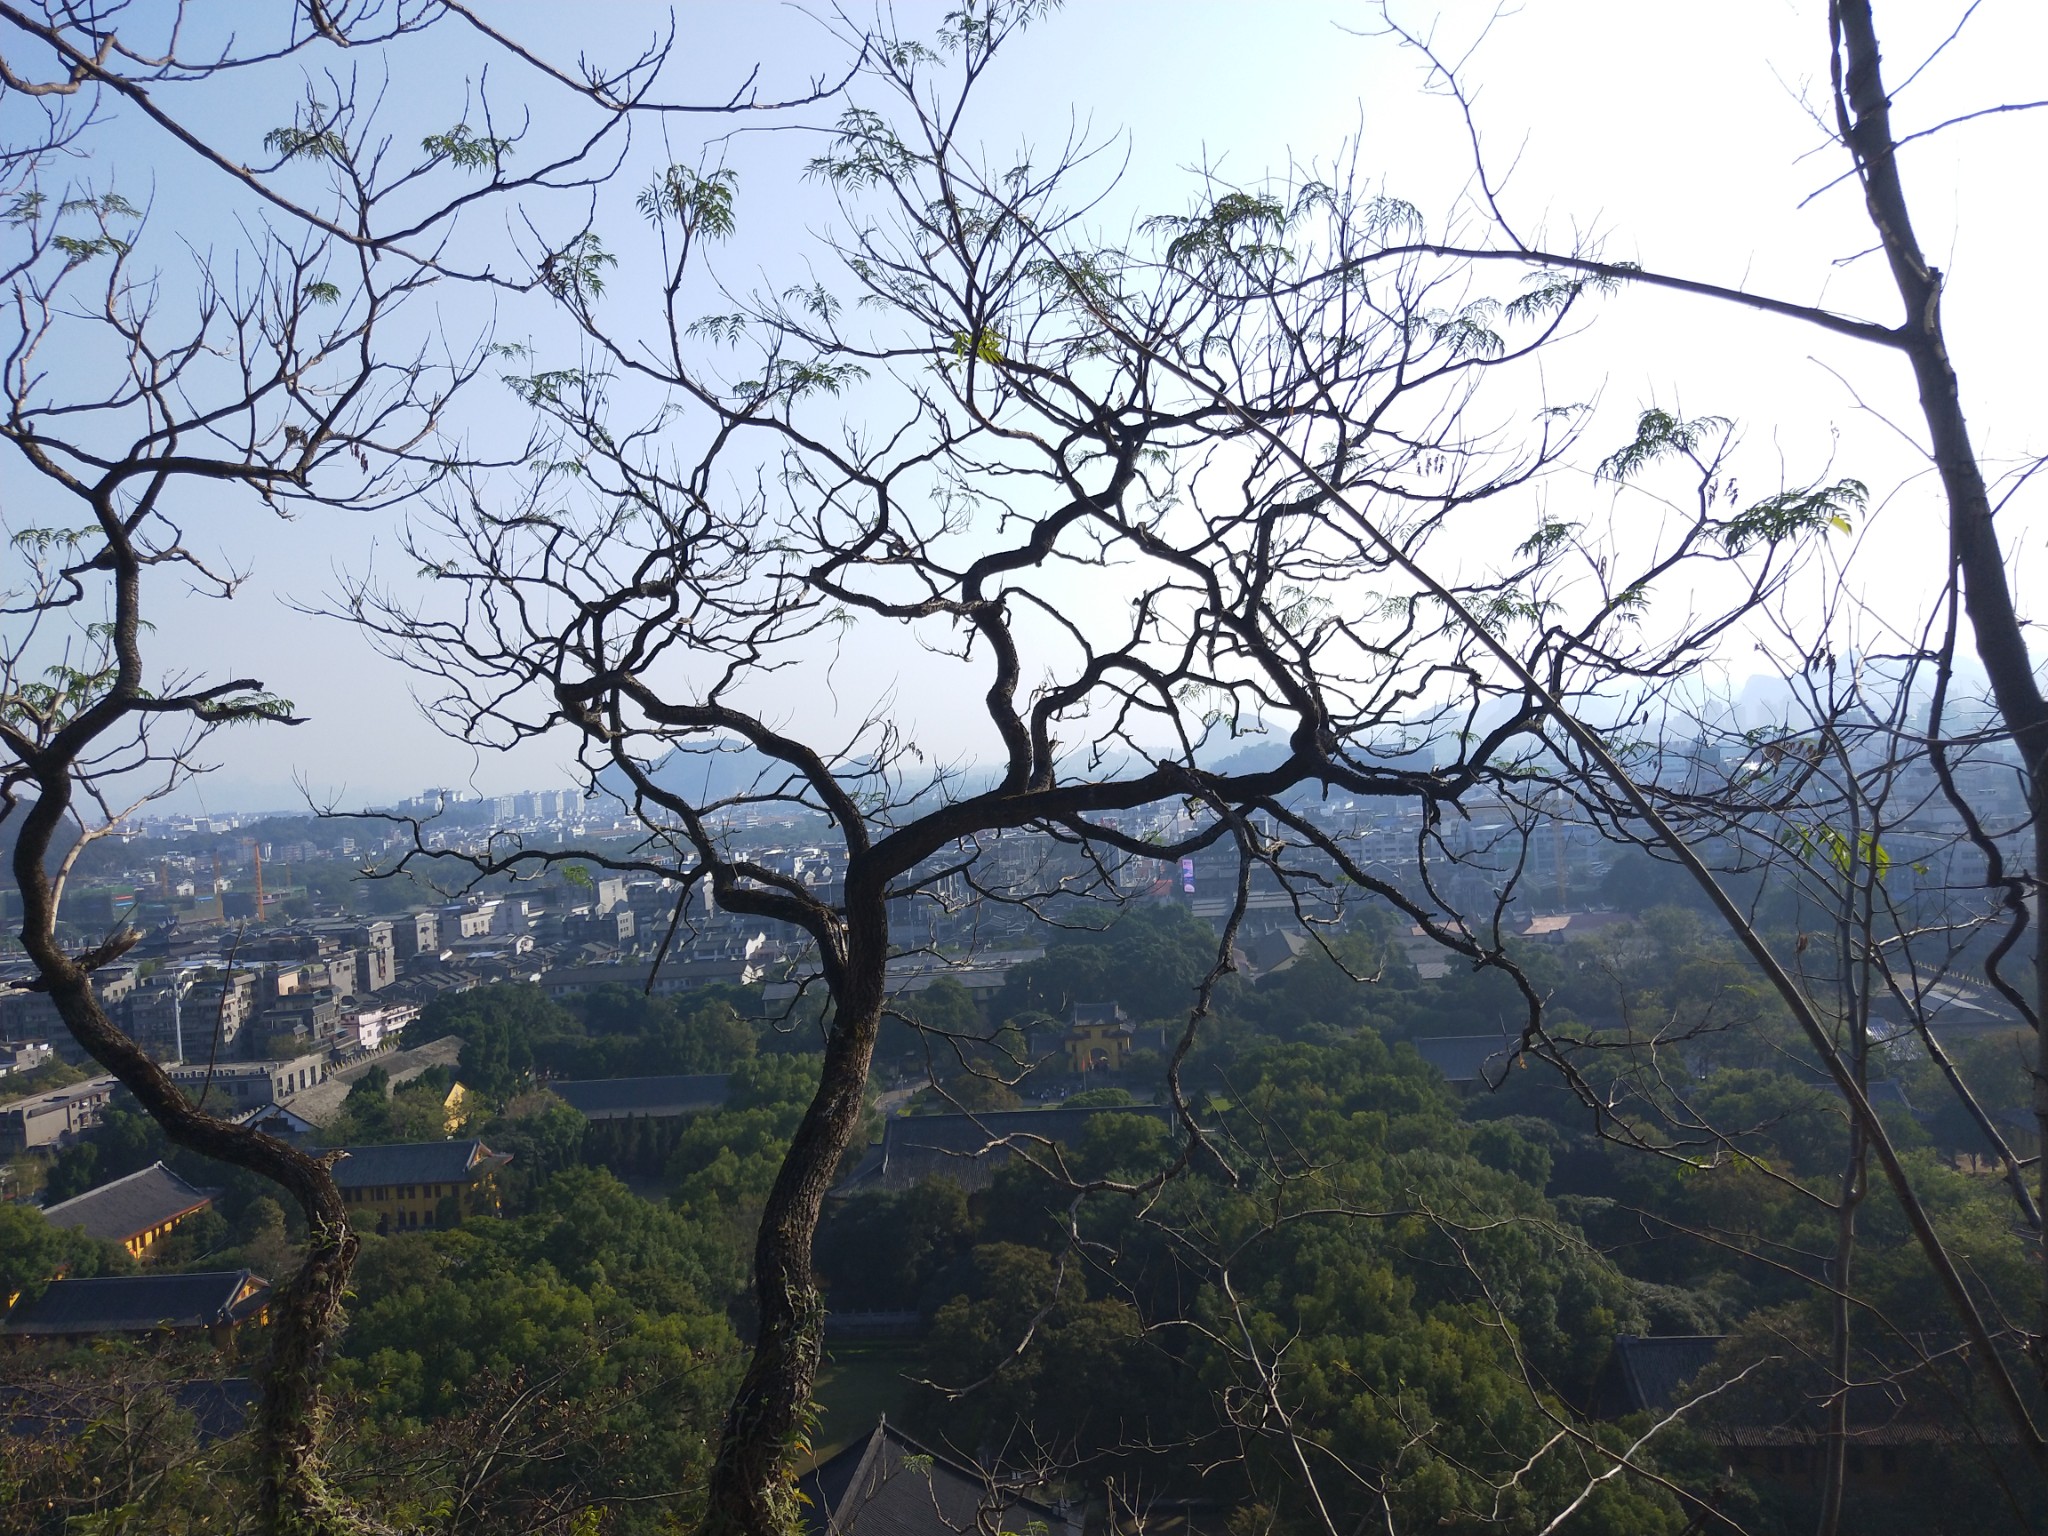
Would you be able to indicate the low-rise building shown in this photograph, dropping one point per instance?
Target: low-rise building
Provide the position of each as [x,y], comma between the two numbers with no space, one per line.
[362,956]
[1098,1039]
[57,1118]
[216,1006]
[1903,1423]
[969,1148]
[418,933]
[653,1098]
[470,919]
[1431,960]
[420,1184]
[27,1014]
[981,975]
[679,975]
[25,1056]
[299,1024]
[242,1084]
[154,1016]
[138,1211]
[1470,1062]
[276,1120]
[372,1028]
[586,925]
[59,1409]
[215,1303]
[887,1484]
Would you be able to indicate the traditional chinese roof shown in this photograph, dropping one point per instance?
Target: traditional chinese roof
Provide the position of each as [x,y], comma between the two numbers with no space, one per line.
[277,1120]
[618,1098]
[889,1485]
[1468,1058]
[62,1410]
[139,1303]
[1097,1013]
[1645,1373]
[968,1149]
[128,1207]
[1906,1407]
[417,1162]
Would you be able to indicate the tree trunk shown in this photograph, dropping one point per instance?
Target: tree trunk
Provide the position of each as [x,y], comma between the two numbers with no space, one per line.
[1865,122]
[752,1490]
[1855,921]
[306,1311]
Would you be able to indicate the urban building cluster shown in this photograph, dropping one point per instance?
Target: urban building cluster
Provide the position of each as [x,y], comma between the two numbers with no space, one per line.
[260,969]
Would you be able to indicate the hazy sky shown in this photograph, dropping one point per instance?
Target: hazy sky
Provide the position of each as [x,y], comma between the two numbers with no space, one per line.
[1685,142]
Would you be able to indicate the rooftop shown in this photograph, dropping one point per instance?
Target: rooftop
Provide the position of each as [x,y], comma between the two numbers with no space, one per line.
[417,1162]
[321,1103]
[139,1303]
[75,1093]
[889,1485]
[1097,1013]
[130,1206]
[968,1149]
[616,1098]
[64,1410]
[1574,925]
[1468,1058]
[1650,1373]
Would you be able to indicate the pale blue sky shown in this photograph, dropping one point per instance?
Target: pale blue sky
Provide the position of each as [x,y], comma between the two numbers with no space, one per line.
[1680,140]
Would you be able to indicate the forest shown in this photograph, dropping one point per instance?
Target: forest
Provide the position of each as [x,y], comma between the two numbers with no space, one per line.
[1430,1282]
[1267,831]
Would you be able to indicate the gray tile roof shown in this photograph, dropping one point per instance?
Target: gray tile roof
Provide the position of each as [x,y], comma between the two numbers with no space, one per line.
[889,1485]
[1650,1373]
[1098,1013]
[1468,1058]
[62,1410]
[416,1162]
[403,1066]
[968,1149]
[130,1206]
[616,1098]
[322,1102]
[139,1303]
[1893,1406]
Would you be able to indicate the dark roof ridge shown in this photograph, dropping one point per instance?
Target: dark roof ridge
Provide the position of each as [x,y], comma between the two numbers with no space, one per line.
[878,1441]
[884,1430]
[141,1302]
[123,1209]
[129,1178]
[407,1162]
[984,1120]
[641,1077]
[158,1276]
[859,1489]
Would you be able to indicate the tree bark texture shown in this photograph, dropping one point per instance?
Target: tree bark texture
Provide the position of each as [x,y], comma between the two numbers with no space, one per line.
[305,1312]
[1865,123]
[753,1481]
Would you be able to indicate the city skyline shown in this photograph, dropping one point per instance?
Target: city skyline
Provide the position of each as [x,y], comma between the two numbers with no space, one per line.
[1738,214]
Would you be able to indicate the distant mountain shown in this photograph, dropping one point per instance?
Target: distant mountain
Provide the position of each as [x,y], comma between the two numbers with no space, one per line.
[705,774]
[1253,757]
